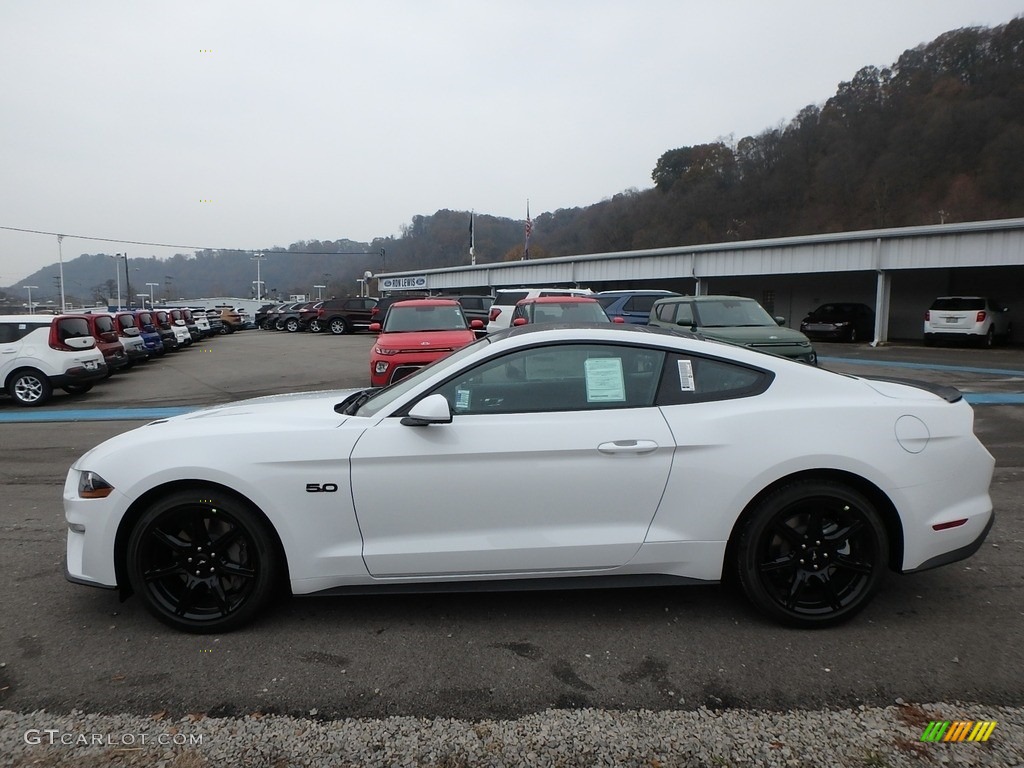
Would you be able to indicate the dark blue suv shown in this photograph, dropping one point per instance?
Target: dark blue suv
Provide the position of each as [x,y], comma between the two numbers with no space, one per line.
[632,306]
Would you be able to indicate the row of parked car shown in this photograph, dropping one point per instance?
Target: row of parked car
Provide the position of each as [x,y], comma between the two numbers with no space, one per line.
[415,332]
[73,351]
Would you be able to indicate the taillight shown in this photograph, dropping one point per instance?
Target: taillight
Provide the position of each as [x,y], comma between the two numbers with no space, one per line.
[495,311]
[320,312]
[927,315]
[981,317]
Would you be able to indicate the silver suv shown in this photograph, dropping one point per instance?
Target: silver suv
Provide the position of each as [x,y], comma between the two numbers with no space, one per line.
[41,352]
[500,316]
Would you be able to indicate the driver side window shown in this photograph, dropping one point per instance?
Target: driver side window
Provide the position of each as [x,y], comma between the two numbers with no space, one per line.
[558,378]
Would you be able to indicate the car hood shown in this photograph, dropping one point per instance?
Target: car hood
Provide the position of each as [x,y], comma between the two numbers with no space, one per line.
[292,404]
[760,335]
[426,340]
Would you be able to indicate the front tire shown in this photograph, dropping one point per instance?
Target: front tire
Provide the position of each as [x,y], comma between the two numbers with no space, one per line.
[77,389]
[203,561]
[291,325]
[812,553]
[29,388]
[315,326]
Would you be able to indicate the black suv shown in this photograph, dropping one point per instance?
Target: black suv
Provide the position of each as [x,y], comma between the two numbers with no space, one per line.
[342,315]
[475,307]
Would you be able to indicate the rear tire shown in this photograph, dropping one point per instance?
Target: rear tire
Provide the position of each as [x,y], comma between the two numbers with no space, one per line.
[339,326]
[29,387]
[77,389]
[812,554]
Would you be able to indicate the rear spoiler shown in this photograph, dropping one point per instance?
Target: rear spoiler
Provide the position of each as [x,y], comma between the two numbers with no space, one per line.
[947,393]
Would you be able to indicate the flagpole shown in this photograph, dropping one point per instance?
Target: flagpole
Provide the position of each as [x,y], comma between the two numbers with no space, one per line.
[472,240]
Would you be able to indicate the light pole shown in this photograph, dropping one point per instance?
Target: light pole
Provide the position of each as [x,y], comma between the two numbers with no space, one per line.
[319,295]
[145,296]
[151,287]
[60,256]
[31,309]
[117,274]
[259,283]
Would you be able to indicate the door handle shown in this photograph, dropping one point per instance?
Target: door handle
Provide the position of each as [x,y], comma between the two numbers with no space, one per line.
[628,447]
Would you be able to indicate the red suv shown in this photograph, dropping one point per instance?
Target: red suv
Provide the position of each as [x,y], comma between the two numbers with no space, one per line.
[101,328]
[416,333]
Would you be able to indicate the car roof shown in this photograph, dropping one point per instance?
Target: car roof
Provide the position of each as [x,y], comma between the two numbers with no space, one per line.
[427,303]
[27,318]
[558,300]
[640,292]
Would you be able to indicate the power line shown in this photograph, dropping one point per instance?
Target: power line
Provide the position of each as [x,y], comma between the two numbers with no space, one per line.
[193,247]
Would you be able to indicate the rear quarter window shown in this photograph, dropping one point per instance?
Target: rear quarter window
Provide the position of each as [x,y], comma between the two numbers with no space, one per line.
[695,379]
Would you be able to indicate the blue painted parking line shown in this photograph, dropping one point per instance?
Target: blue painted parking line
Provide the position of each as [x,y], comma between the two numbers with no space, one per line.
[922,366]
[92,414]
[994,398]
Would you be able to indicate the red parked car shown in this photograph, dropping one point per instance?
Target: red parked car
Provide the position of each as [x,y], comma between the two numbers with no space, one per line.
[415,333]
[101,328]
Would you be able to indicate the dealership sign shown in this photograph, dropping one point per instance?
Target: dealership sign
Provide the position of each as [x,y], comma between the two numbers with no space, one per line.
[414,283]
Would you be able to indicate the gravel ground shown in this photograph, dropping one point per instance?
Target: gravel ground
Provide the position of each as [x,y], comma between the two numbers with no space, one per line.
[864,737]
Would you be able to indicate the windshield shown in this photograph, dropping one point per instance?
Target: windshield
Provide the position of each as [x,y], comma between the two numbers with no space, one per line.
[727,313]
[383,398]
[431,317]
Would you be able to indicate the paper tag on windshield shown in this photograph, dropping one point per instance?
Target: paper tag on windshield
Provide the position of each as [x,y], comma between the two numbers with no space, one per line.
[686,376]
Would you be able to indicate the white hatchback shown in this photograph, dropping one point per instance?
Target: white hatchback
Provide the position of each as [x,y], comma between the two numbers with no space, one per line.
[41,352]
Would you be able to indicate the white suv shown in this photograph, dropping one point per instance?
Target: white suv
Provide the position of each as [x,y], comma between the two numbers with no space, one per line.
[973,318]
[41,352]
[505,301]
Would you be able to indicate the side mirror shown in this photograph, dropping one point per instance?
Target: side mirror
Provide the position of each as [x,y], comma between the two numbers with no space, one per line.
[374,327]
[780,320]
[519,321]
[476,325]
[433,409]
[618,319]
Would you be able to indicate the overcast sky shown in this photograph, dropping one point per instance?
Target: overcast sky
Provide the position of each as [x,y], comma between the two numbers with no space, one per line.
[253,124]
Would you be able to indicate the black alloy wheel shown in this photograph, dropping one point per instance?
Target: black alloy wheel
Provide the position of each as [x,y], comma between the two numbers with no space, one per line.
[203,561]
[812,554]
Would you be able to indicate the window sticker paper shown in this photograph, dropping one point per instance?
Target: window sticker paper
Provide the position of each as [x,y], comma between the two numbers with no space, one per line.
[605,382]
[462,399]
[686,376]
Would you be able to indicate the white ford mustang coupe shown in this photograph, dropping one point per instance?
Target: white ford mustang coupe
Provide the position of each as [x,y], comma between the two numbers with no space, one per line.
[637,456]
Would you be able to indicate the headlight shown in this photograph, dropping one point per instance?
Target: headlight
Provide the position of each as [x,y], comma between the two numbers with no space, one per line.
[384,351]
[92,486]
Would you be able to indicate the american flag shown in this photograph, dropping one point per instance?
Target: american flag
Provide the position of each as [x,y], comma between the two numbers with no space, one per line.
[529,231]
